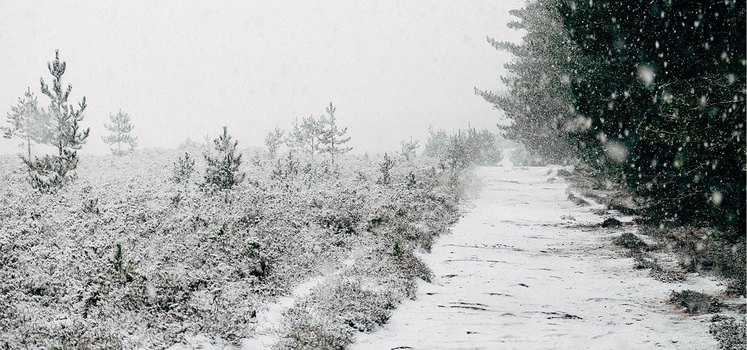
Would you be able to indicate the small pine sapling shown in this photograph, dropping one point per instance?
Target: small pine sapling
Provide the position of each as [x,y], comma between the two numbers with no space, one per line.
[333,138]
[273,140]
[222,172]
[120,129]
[183,169]
[287,171]
[122,267]
[385,167]
[409,149]
[92,207]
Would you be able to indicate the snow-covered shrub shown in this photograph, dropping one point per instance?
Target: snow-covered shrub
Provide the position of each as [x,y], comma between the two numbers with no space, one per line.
[695,302]
[729,333]
[310,330]
[202,264]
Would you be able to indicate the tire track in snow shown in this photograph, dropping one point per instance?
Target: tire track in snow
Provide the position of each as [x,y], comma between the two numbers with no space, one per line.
[525,268]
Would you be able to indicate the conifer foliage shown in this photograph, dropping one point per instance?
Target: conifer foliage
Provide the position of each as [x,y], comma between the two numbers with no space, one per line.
[314,135]
[51,172]
[222,172]
[539,99]
[120,129]
[667,91]
[306,136]
[332,138]
[273,140]
[649,93]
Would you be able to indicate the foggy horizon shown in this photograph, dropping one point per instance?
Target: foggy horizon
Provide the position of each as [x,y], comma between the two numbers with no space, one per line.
[183,71]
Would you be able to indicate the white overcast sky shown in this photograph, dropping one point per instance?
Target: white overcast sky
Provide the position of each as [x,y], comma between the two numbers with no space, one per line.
[183,69]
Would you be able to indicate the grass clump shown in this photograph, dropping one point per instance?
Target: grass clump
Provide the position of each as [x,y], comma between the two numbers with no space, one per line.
[630,241]
[706,250]
[695,302]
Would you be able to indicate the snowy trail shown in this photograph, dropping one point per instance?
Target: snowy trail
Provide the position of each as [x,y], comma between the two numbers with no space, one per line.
[525,269]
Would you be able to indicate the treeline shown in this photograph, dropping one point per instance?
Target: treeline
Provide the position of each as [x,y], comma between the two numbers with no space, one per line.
[650,94]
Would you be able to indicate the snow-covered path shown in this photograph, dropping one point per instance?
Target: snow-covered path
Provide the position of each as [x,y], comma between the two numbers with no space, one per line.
[525,268]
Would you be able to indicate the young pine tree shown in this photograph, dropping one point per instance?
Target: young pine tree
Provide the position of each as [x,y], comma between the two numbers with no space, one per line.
[539,91]
[120,129]
[409,149]
[27,122]
[66,135]
[333,138]
[306,136]
[222,170]
[273,140]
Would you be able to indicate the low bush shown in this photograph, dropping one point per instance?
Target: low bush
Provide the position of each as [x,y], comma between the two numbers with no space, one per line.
[705,250]
[695,302]
[729,333]
[630,241]
[189,262]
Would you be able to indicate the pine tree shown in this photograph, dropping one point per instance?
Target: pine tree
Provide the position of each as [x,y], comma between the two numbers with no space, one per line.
[27,122]
[222,170]
[331,137]
[664,91]
[385,167]
[539,100]
[120,129]
[437,144]
[306,136]
[482,147]
[51,172]
[409,149]
[273,140]
[67,134]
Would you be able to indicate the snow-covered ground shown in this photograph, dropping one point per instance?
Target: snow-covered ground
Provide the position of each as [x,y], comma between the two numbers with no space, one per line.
[526,268]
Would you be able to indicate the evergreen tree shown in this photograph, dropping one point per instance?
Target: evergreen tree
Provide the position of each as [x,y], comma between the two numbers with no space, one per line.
[409,149]
[385,167]
[27,122]
[51,172]
[437,144]
[539,99]
[333,138]
[67,134]
[664,90]
[222,170]
[183,169]
[306,136]
[273,140]
[483,148]
[120,129]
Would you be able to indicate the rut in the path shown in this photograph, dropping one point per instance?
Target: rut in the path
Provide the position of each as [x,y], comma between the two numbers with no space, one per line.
[526,269]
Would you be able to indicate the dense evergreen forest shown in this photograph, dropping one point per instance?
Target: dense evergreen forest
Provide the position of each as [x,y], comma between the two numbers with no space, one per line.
[647,94]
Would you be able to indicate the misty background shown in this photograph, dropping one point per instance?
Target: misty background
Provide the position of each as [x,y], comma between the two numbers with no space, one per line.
[185,69]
